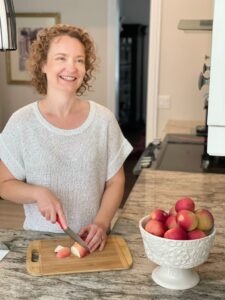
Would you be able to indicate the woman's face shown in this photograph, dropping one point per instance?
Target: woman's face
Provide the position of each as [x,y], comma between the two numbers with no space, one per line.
[65,65]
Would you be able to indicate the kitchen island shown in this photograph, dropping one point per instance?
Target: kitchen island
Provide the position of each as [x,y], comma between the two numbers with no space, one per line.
[152,189]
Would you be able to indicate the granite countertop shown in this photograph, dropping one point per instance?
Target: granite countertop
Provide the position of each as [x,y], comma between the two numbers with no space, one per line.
[152,189]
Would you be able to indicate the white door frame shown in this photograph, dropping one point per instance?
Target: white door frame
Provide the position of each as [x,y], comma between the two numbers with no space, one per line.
[153,63]
[113,38]
[153,70]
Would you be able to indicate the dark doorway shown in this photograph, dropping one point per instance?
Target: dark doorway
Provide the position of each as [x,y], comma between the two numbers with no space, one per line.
[134,17]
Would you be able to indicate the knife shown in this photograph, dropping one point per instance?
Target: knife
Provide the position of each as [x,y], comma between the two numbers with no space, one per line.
[72,234]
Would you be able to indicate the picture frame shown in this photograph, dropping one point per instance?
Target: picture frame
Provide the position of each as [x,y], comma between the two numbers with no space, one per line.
[28,25]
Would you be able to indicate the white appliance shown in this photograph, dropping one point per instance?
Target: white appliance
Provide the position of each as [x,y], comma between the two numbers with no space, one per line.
[216,104]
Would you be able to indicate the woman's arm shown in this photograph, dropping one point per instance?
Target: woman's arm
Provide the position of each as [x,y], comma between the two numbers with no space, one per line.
[111,200]
[22,193]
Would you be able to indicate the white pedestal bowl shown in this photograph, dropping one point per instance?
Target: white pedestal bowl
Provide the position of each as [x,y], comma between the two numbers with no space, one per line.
[176,258]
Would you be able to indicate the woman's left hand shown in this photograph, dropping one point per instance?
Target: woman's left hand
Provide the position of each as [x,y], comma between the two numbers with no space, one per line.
[96,236]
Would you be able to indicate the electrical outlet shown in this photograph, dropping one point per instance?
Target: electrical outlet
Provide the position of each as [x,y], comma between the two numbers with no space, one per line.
[164,102]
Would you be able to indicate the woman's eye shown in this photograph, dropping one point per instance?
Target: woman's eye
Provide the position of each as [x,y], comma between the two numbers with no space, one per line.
[80,61]
[60,58]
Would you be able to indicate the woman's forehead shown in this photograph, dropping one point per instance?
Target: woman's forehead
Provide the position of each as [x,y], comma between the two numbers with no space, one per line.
[65,42]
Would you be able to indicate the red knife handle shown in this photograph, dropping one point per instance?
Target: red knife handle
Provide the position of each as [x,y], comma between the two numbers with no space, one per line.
[58,221]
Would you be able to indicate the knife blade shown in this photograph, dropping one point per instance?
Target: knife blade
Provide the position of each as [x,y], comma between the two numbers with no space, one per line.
[72,234]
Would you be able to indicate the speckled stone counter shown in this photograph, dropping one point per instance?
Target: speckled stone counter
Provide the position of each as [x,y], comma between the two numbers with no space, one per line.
[153,189]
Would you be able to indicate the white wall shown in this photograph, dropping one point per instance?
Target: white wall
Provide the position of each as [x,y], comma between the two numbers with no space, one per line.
[91,15]
[181,60]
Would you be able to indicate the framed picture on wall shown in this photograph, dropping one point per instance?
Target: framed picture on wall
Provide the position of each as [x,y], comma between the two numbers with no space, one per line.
[28,25]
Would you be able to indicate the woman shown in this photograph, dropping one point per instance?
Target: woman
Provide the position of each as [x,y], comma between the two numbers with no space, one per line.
[63,155]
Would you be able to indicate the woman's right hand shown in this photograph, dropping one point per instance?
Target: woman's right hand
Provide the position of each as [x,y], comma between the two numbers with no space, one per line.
[49,206]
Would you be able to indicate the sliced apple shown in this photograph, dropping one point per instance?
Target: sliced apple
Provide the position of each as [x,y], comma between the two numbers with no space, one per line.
[58,248]
[78,250]
[62,252]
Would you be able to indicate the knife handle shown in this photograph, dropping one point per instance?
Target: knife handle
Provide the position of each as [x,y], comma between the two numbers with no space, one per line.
[58,221]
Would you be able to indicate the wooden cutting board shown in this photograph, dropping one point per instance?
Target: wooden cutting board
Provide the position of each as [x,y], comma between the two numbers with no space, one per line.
[41,259]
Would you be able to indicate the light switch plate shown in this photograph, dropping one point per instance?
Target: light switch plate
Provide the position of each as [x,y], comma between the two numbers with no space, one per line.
[164,102]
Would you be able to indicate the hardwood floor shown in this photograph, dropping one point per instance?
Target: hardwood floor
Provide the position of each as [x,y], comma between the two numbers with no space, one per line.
[11,215]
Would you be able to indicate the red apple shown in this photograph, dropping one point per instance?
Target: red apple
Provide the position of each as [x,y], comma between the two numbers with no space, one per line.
[159,215]
[155,227]
[205,219]
[176,234]
[172,211]
[171,222]
[196,234]
[187,219]
[78,250]
[185,203]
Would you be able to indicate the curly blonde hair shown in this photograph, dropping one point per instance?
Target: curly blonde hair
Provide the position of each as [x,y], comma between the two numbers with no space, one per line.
[39,50]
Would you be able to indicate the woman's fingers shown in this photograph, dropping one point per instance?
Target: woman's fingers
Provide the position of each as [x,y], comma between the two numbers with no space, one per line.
[46,215]
[102,245]
[62,217]
[84,230]
[96,236]
[49,206]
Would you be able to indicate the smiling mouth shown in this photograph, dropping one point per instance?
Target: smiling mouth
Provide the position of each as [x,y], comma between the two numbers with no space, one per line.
[68,78]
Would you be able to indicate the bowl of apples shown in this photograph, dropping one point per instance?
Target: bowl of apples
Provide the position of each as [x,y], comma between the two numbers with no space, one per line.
[178,241]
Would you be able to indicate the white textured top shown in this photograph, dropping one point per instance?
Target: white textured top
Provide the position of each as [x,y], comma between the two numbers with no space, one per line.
[74,164]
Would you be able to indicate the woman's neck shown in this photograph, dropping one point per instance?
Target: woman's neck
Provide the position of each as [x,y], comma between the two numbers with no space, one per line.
[65,114]
[59,105]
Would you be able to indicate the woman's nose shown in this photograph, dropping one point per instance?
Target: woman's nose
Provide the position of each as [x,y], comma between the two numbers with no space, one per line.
[72,65]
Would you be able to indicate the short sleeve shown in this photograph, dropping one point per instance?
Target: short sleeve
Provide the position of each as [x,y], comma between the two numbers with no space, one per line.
[118,148]
[11,149]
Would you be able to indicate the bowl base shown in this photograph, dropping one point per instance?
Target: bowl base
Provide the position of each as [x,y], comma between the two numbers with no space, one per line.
[175,279]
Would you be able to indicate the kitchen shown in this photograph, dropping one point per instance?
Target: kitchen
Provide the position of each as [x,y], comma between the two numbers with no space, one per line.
[152,188]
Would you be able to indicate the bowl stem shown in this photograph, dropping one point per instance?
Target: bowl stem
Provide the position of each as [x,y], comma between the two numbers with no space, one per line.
[174,278]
